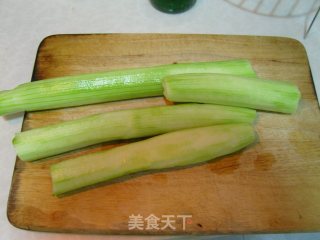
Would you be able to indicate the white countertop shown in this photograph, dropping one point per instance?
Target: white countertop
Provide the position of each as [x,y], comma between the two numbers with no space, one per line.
[24,23]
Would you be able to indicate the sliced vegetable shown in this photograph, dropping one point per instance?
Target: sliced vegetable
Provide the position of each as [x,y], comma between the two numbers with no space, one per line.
[232,90]
[169,150]
[107,86]
[58,138]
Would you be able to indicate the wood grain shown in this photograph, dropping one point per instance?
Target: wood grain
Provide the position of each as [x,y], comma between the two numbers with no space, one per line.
[273,186]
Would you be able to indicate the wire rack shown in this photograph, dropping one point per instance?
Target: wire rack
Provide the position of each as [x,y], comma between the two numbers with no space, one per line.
[277,8]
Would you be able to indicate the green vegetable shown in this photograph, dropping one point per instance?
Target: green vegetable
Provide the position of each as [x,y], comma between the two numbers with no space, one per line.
[169,150]
[232,90]
[58,138]
[107,86]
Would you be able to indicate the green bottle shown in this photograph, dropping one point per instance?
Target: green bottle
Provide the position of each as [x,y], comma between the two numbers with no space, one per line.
[173,6]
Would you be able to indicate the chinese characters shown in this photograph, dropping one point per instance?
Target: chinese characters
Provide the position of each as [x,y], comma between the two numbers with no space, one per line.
[152,222]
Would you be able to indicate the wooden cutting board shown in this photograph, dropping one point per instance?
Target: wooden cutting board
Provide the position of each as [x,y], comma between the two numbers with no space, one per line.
[273,186]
